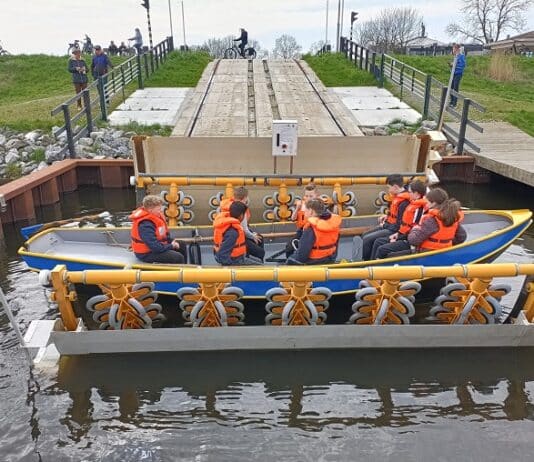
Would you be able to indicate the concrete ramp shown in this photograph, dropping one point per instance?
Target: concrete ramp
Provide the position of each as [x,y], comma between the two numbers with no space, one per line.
[241,98]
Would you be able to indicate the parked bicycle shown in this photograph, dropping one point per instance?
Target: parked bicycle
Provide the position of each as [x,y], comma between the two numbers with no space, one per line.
[3,51]
[86,47]
[235,53]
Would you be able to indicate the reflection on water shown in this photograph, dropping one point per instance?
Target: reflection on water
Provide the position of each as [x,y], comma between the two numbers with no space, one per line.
[340,405]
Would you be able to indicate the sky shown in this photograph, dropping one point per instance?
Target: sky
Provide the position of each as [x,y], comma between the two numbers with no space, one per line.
[47,26]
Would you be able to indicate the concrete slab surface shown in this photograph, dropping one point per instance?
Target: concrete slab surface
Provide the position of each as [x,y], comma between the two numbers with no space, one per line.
[372,106]
[151,106]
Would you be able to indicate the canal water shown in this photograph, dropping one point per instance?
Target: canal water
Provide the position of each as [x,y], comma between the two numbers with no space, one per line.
[323,406]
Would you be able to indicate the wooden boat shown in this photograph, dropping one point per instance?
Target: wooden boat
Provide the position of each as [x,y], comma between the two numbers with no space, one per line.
[489,233]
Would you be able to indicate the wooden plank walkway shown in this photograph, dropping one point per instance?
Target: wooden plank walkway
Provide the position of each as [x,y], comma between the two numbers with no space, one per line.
[505,150]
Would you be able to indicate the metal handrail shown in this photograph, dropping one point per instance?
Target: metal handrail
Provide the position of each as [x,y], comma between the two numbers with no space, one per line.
[107,86]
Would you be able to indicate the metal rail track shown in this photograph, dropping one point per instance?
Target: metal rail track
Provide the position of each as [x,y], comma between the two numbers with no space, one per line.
[202,101]
[252,127]
[272,95]
[325,104]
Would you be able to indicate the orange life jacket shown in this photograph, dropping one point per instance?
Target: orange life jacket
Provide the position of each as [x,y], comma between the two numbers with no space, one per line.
[409,214]
[394,207]
[326,236]
[445,234]
[139,215]
[221,224]
[301,219]
[224,208]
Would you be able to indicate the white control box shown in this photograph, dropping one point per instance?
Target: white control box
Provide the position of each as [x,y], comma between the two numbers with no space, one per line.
[285,137]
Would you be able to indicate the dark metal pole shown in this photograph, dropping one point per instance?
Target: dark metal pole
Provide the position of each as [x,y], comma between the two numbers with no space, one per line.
[149,27]
[101,91]
[68,129]
[463,127]
[428,89]
[88,115]
[382,70]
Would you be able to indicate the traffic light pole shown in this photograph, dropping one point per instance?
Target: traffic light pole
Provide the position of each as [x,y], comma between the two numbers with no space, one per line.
[149,28]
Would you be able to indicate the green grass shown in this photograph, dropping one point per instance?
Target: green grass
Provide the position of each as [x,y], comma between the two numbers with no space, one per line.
[512,102]
[335,70]
[182,69]
[32,85]
[151,130]
[38,155]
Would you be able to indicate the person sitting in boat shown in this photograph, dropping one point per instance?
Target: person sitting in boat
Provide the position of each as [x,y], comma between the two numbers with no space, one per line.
[397,244]
[320,236]
[151,240]
[441,226]
[254,241]
[390,223]
[299,214]
[229,240]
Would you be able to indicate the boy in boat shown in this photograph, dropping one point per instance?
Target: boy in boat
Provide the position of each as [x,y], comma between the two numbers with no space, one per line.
[254,241]
[441,226]
[299,214]
[150,236]
[229,239]
[320,235]
[390,223]
[397,244]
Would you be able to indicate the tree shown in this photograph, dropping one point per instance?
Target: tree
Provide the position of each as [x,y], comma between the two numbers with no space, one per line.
[485,20]
[316,47]
[286,47]
[391,30]
[217,46]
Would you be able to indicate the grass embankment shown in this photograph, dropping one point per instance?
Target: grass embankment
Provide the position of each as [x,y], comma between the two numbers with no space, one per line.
[335,70]
[511,100]
[32,85]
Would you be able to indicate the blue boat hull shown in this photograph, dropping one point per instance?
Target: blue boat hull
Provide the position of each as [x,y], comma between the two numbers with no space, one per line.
[478,251]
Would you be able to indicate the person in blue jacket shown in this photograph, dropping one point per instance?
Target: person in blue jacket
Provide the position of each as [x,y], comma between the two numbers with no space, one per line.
[458,71]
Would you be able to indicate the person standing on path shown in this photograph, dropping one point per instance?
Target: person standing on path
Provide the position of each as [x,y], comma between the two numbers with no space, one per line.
[138,40]
[78,69]
[100,66]
[458,71]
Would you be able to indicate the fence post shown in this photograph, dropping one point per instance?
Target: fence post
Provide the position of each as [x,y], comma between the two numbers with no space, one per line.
[367,59]
[463,127]
[101,92]
[123,83]
[68,129]
[139,72]
[373,63]
[151,61]
[88,115]
[382,71]
[401,81]
[443,103]
[361,57]
[145,59]
[428,92]
[171,43]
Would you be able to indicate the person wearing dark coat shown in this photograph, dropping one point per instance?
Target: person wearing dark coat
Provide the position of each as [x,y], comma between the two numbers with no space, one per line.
[78,69]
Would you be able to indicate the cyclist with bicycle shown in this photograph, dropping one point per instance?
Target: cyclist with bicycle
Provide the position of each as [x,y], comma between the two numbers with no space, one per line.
[244,41]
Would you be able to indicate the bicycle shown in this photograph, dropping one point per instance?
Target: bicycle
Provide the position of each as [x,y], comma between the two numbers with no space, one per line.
[87,46]
[3,51]
[235,52]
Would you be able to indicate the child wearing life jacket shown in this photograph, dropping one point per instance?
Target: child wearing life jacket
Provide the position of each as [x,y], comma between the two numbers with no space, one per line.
[299,214]
[254,241]
[440,227]
[319,240]
[150,237]
[229,237]
[397,243]
[390,223]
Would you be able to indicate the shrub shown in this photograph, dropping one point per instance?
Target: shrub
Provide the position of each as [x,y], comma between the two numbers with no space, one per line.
[503,68]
